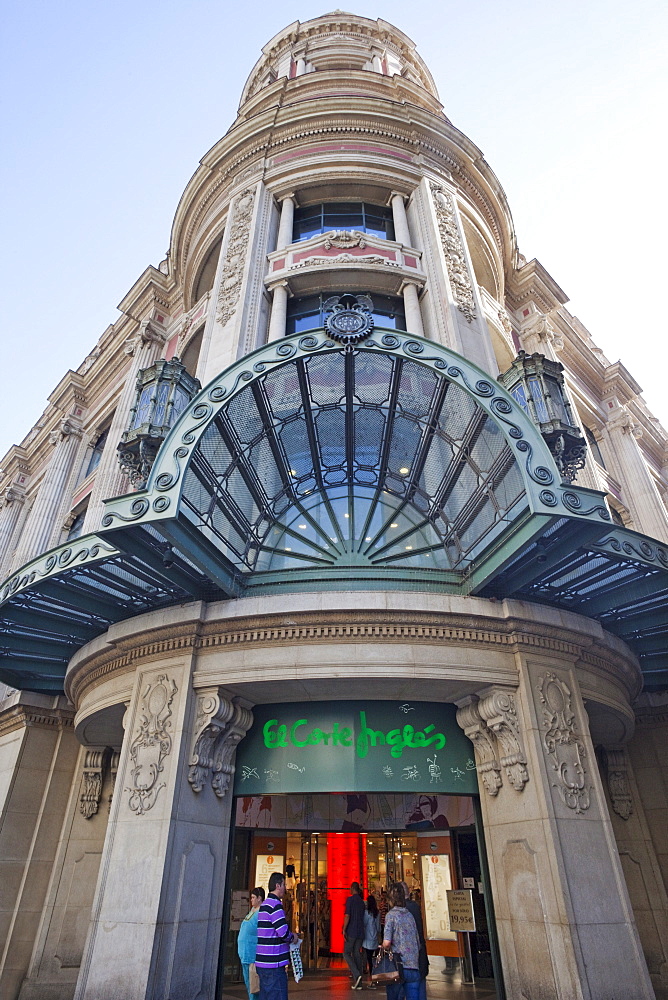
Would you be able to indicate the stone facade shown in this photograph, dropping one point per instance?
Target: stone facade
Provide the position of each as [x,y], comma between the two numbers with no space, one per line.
[115,798]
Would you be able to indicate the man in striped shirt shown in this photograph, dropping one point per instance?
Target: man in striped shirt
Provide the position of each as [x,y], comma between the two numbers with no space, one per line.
[274,938]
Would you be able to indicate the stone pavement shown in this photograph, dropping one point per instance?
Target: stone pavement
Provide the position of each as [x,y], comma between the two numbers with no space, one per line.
[323,985]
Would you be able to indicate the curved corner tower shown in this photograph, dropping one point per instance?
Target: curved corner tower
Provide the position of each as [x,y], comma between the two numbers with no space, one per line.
[354,500]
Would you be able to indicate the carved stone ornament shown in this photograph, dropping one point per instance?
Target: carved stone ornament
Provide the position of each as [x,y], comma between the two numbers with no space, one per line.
[348,317]
[219,727]
[564,749]
[453,249]
[618,781]
[113,772]
[151,744]
[344,240]
[345,258]
[474,726]
[499,712]
[95,763]
[235,256]
[9,496]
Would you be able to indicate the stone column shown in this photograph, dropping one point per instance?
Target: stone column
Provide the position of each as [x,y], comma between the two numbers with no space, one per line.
[401,231]
[11,504]
[640,492]
[409,290]
[638,857]
[279,312]
[38,533]
[38,754]
[565,924]
[284,238]
[145,347]
[156,919]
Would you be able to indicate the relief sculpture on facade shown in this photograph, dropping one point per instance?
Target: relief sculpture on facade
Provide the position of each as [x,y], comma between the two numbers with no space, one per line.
[564,749]
[235,256]
[453,249]
[151,744]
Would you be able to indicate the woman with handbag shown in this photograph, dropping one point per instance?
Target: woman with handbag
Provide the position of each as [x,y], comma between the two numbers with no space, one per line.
[401,936]
[247,943]
[371,932]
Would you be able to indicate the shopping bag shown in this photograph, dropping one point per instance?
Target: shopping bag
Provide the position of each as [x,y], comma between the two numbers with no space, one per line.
[253,979]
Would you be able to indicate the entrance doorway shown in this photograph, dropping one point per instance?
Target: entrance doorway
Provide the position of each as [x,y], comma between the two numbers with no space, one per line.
[436,849]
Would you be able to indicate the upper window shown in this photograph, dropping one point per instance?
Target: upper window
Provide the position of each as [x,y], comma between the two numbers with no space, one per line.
[96,454]
[307,313]
[593,445]
[359,215]
[76,527]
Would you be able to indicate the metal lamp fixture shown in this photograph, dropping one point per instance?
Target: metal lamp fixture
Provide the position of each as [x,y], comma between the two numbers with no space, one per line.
[163,392]
[537,383]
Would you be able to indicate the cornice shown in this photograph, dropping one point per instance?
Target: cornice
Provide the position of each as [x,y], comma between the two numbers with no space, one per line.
[512,635]
[23,716]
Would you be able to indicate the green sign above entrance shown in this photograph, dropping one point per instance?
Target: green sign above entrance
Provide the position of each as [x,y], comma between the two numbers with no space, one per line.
[355,746]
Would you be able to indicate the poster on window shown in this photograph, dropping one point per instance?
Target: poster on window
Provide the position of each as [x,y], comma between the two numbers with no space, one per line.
[265,864]
[435,883]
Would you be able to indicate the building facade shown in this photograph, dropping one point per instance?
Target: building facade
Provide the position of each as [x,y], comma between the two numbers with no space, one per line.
[353,515]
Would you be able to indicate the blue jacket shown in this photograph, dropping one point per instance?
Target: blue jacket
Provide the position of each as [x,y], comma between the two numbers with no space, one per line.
[247,940]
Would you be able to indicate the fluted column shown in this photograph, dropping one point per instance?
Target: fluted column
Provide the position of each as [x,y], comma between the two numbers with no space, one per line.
[285,225]
[38,534]
[401,231]
[279,312]
[640,491]
[145,348]
[412,308]
[11,505]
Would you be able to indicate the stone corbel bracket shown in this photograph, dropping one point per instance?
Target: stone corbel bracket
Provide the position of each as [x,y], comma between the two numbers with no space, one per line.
[220,725]
[474,726]
[96,763]
[619,786]
[497,709]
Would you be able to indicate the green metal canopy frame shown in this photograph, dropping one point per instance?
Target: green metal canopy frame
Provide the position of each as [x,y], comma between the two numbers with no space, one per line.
[390,464]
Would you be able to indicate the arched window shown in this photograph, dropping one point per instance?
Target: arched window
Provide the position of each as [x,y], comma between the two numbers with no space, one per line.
[358,215]
[207,272]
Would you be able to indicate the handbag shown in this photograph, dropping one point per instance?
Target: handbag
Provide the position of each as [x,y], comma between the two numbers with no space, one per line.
[253,979]
[387,967]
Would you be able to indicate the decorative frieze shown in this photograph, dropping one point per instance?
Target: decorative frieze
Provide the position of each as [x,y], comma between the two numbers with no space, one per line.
[220,724]
[475,727]
[564,749]
[499,712]
[151,745]
[235,256]
[453,250]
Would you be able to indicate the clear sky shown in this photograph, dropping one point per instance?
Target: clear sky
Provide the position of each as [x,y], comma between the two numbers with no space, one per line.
[108,108]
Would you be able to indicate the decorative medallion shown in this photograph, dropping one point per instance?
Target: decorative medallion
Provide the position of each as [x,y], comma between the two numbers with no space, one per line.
[151,745]
[349,318]
[564,748]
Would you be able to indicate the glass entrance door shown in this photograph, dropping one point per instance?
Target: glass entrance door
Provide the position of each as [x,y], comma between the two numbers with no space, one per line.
[310,900]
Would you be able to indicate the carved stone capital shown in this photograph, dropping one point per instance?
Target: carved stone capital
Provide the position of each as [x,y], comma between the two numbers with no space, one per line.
[9,496]
[563,746]
[484,743]
[220,725]
[66,428]
[617,765]
[95,764]
[498,710]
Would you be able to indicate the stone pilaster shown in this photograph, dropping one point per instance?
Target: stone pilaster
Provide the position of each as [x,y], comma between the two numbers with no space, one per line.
[640,491]
[564,920]
[11,505]
[41,529]
[145,347]
[160,894]
[38,753]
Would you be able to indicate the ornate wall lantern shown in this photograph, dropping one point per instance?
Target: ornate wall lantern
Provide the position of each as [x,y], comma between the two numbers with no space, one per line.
[538,386]
[163,392]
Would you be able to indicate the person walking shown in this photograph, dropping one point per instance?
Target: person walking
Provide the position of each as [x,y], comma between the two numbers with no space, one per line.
[401,936]
[423,961]
[353,935]
[247,940]
[274,938]
[371,934]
